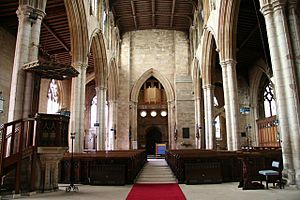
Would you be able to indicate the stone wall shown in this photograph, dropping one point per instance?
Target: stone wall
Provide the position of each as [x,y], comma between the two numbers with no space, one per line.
[8,43]
[167,52]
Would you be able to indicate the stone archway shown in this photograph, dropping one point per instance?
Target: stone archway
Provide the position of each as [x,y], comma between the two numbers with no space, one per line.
[170,103]
[153,136]
[97,47]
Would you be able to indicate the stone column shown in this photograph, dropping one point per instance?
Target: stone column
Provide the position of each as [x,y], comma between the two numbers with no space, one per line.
[171,124]
[21,57]
[32,84]
[112,115]
[286,88]
[101,103]
[198,122]
[208,91]
[231,103]
[198,111]
[133,122]
[77,107]
[293,23]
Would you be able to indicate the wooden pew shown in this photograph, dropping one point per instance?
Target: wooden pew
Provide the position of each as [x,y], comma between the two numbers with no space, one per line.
[103,167]
[194,166]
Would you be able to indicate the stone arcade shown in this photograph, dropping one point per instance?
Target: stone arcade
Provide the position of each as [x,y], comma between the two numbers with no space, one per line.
[219,75]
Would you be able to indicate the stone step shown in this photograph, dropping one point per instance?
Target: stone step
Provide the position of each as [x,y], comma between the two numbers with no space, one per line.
[156,171]
[157,180]
[156,175]
[151,173]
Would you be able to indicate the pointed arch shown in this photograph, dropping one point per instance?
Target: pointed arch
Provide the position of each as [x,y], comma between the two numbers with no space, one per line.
[152,72]
[97,45]
[78,30]
[228,27]
[208,44]
[196,77]
[113,80]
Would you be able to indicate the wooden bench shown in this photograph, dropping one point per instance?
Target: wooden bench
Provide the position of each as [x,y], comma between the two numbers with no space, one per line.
[194,166]
[103,167]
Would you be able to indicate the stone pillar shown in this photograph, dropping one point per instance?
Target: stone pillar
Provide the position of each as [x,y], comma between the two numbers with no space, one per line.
[21,57]
[231,103]
[101,102]
[198,122]
[133,122]
[77,107]
[293,23]
[171,124]
[286,88]
[198,113]
[32,84]
[112,120]
[208,91]
[48,174]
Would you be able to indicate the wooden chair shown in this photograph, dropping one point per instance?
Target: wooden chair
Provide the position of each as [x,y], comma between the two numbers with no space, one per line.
[272,175]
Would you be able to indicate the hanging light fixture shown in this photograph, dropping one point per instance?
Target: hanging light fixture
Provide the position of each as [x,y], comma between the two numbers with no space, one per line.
[1,102]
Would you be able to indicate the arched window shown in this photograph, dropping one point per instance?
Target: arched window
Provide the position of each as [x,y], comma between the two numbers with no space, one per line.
[94,111]
[53,98]
[94,7]
[104,18]
[216,103]
[269,101]
[217,121]
[217,127]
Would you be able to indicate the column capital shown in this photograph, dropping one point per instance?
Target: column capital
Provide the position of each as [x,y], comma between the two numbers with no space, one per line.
[81,66]
[208,86]
[292,4]
[226,62]
[26,11]
[100,88]
[133,103]
[270,6]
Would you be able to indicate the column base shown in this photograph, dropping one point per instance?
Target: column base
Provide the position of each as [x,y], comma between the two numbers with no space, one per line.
[289,176]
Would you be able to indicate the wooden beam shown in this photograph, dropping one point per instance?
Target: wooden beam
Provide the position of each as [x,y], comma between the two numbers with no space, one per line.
[153,13]
[133,14]
[254,29]
[188,17]
[172,13]
[56,37]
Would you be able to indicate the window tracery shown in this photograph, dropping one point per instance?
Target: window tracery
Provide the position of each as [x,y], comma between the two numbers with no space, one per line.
[269,101]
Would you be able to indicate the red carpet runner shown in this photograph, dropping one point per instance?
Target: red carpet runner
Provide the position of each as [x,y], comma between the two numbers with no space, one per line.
[169,191]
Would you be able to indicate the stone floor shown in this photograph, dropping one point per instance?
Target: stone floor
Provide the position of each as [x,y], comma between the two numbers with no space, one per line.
[224,191]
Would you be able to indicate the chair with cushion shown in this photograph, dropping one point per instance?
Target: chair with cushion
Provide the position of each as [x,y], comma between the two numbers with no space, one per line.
[272,175]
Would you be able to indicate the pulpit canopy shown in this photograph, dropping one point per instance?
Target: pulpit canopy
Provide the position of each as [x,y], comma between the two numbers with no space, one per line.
[51,69]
